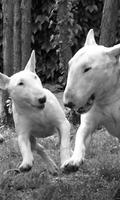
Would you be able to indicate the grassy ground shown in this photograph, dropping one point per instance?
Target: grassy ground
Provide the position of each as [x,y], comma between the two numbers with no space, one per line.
[98,177]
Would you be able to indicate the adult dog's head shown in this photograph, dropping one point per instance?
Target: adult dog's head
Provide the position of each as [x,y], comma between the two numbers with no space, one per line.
[93,73]
[25,87]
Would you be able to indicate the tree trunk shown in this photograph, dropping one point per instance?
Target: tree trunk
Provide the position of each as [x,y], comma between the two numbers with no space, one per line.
[16,42]
[7,36]
[109,22]
[7,8]
[26,31]
[17,36]
[65,51]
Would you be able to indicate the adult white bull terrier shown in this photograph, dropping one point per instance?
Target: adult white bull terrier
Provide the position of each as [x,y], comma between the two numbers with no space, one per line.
[93,88]
[36,113]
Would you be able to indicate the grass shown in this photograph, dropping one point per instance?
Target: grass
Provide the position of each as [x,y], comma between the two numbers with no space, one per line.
[97,178]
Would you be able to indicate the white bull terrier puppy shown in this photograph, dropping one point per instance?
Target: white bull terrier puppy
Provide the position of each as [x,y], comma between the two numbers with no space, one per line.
[93,88]
[36,113]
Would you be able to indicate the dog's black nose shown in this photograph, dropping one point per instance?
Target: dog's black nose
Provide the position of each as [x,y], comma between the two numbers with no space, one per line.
[42,100]
[69,105]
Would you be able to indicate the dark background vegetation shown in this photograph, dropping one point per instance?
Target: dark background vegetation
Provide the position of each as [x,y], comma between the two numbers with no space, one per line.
[82,15]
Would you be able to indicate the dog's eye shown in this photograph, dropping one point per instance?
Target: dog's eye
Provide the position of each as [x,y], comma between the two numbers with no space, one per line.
[87,69]
[21,83]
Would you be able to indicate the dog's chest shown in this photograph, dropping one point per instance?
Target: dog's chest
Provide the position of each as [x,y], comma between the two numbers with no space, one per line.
[40,123]
[111,119]
[39,130]
[41,126]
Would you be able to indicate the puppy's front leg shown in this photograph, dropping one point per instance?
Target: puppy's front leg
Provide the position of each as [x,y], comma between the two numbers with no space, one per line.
[47,159]
[64,131]
[25,148]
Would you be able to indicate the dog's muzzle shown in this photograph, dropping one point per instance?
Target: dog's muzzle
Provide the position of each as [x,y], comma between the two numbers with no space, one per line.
[41,103]
[42,100]
[69,105]
[41,106]
[87,106]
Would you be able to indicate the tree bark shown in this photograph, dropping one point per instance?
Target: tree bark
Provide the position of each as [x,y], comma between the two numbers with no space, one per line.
[26,31]
[16,42]
[65,51]
[109,22]
[7,6]
[17,36]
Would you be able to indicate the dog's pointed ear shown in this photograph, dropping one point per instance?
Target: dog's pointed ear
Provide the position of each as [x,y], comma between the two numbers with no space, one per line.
[90,39]
[114,51]
[4,81]
[31,64]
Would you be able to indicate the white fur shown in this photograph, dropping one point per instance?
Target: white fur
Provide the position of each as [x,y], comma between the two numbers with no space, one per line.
[34,119]
[103,80]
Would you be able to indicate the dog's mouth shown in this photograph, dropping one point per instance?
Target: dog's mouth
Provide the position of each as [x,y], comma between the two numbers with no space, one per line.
[40,106]
[87,106]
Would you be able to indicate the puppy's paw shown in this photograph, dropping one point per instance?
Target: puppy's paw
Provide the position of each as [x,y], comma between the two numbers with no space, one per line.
[71,165]
[25,167]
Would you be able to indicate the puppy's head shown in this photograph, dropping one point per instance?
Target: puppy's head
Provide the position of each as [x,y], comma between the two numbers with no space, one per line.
[25,87]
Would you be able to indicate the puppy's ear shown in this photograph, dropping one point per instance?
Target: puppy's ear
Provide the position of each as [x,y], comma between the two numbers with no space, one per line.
[90,39]
[4,81]
[31,65]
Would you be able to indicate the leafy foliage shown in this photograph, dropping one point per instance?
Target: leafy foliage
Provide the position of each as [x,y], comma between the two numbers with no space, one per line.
[86,15]
[42,30]
[82,15]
